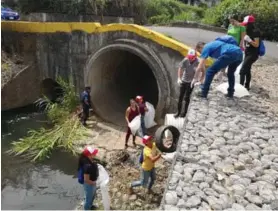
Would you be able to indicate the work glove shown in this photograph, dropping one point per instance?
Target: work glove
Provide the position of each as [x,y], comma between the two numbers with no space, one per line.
[179,81]
[247,38]
[194,81]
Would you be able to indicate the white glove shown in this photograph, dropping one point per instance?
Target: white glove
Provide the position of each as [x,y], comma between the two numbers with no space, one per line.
[193,83]
[179,81]
[247,38]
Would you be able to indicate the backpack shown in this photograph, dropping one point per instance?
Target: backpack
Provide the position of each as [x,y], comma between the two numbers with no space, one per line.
[141,157]
[261,48]
[80,175]
[227,39]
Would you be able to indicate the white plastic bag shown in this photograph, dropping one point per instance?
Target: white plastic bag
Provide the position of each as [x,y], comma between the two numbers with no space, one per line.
[169,157]
[149,116]
[240,91]
[103,178]
[102,182]
[135,124]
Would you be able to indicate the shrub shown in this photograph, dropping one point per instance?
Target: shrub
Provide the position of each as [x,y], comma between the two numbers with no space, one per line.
[265,12]
[165,11]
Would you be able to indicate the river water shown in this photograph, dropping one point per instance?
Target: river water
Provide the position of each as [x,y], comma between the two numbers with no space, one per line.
[26,185]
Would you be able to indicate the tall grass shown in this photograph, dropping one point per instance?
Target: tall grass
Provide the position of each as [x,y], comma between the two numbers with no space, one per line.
[39,144]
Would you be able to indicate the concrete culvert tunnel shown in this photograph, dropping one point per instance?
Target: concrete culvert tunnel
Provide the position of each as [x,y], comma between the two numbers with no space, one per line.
[116,76]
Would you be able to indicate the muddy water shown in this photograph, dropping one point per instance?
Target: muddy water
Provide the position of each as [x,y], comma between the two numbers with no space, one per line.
[25,185]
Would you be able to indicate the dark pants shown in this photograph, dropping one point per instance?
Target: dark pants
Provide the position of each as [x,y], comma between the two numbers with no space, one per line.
[85,116]
[230,59]
[128,133]
[245,71]
[185,92]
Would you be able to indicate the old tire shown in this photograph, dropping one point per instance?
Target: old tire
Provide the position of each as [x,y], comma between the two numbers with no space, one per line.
[159,138]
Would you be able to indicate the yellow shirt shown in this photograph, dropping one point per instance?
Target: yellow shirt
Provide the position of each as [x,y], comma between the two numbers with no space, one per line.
[147,164]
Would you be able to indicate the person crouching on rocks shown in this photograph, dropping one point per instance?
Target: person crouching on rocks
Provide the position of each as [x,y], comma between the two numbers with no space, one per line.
[131,112]
[186,73]
[150,156]
[142,109]
[87,175]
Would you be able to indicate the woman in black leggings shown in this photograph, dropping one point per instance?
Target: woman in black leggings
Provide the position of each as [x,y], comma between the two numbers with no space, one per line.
[251,44]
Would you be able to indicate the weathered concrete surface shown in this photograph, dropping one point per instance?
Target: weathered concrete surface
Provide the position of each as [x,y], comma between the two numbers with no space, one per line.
[20,89]
[113,59]
[227,157]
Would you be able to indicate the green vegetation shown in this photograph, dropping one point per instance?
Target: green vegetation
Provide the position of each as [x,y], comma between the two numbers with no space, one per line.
[38,145]
[167,11]
[265,12]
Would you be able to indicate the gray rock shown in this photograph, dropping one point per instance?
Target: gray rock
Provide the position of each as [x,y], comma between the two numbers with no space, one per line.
[210,192]
[192,148]
[209,179]
[267,195]
[179,191]
[239,166]
[253,188]
[228,169]
[181,203]
[214,203]
[193,201]
[218,142]
[187,176]
[229,135]
[274,205]
[266,207]
[252,207]
[203,185]
[238,189]
[199,176]
[225,201]
[179,168]
[254,199]
[170,207]
[219,188]
[171,198]
[244,181]
[236,206]
[241,200]
[247,174]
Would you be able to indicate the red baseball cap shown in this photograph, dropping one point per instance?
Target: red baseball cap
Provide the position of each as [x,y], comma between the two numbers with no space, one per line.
[248,19]
[192,55]
[90,151]
[146,139]
[138,98]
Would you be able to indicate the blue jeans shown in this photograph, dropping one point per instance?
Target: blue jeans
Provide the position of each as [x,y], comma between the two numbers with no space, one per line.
[147,179]
[90,193]
[143,127]
[232,60]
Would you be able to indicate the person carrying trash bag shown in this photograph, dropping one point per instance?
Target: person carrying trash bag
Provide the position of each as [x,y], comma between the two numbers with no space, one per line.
[148,158]
[227,54]
[186,72]
[142,109]
[88,174]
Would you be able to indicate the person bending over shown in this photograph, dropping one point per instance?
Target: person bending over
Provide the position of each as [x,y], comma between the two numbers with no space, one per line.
[142,109]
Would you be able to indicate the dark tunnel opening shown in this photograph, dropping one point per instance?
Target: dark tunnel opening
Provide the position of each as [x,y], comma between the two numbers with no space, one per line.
[51,89]
[117,76]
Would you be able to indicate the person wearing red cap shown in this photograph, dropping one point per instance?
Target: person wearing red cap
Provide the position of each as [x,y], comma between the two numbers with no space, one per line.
[131,112]
[87,175]
[142,109]
[251,44]
[150,156]
[186,72]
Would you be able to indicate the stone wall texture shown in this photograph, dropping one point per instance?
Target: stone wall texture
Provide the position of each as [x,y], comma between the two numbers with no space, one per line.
[227,158]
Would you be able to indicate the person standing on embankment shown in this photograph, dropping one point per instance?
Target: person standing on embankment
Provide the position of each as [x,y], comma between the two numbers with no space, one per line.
[186,72]
[150,156]
[252,43]
[131,112]
[86,104]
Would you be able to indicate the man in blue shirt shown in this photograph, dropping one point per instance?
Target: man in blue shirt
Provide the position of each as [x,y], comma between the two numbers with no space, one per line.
[225,54]
[86,104]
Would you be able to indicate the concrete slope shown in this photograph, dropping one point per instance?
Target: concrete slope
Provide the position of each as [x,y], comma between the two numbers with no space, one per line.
[191,36]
